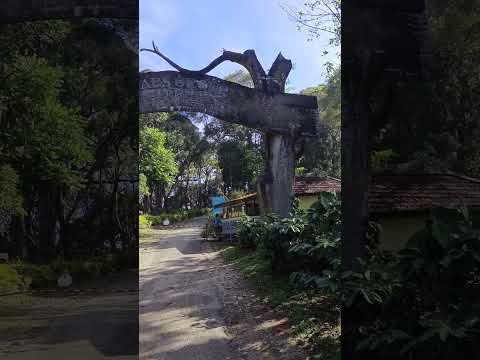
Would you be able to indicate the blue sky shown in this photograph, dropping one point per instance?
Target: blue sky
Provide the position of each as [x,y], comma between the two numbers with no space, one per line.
[194,32]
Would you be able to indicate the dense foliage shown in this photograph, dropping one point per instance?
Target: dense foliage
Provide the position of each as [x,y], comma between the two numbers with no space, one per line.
[156,162]
[68,139]
[305,244]
[322,155]
[432,124]
[422,301]
[414,303]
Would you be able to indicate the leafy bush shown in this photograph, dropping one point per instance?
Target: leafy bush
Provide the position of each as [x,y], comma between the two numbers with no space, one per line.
[305,244]
[251,230]
[144,222]
[10,280]
[422,302]
[320,244]
[36,276]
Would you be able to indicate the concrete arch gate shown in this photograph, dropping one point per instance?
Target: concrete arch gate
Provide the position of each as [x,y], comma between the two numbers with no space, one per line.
[283,118]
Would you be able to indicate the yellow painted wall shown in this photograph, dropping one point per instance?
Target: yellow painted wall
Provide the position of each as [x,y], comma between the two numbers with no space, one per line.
[305,201]
[396,230]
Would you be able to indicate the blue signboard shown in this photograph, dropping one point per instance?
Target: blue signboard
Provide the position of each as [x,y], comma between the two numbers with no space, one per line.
[217,200]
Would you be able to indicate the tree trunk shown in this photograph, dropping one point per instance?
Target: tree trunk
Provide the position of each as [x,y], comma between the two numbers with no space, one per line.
[47,221]
[64,233]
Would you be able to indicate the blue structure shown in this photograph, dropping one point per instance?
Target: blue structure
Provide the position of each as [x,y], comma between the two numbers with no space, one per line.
[217,200]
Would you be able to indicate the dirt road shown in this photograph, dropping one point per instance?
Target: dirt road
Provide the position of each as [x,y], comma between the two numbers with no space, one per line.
[194,306]
[180,301]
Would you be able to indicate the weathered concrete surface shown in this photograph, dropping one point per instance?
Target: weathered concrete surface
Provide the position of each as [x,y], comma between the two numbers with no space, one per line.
[279,112]
[93,326]
[280,155]
[180,301]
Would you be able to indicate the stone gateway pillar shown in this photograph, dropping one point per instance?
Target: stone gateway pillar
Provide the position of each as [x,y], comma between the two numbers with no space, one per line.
[279,174]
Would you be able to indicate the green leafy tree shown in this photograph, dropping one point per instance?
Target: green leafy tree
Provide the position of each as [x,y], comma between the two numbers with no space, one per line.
[46,137]
[11,199]
[156,161]
[143,189]
[68,116]
[322,155]
[239,148]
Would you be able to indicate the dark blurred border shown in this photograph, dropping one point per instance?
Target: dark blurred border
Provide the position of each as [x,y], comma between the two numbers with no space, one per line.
[32,10]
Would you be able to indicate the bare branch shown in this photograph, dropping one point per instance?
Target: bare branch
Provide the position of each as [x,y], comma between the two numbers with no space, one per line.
[278,73]
[248,60]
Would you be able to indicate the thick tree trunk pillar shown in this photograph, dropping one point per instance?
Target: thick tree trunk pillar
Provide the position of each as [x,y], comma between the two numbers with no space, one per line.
[275,187]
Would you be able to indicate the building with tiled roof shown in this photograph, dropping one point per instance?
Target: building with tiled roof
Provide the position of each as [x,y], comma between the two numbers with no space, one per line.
[306,185]
[307,188]
[392,193]
[401,203]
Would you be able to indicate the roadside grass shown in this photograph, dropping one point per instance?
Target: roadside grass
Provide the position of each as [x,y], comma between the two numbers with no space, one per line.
[10,280]
[24,275]
[145,235]
[313,314]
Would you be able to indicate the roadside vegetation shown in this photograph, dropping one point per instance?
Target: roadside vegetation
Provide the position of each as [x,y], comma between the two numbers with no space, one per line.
[20,276]
[295,264]
[68,152]
[146,222]
[421,302]
[290,263]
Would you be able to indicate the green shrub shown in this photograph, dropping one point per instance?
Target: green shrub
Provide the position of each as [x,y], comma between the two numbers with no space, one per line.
[422,302]
[144,222]
[36,276]
[304,242]
[10,280]
[251,231]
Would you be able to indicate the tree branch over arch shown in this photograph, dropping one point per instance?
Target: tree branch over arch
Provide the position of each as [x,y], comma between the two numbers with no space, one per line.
[248,59]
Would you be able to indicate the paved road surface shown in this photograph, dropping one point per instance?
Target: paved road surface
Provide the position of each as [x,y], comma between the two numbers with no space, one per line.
[180,299]
[93,326]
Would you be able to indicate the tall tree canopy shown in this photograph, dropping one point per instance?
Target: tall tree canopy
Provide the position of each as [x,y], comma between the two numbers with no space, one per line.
[68,138]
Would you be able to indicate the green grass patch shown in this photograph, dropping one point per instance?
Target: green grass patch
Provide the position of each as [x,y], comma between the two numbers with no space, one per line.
[10,280]
[145,235]
[22,275]
[257,268]
[313,315]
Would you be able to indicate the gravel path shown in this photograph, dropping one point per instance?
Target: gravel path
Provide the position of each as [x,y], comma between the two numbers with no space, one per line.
[180,300]
[194,307]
